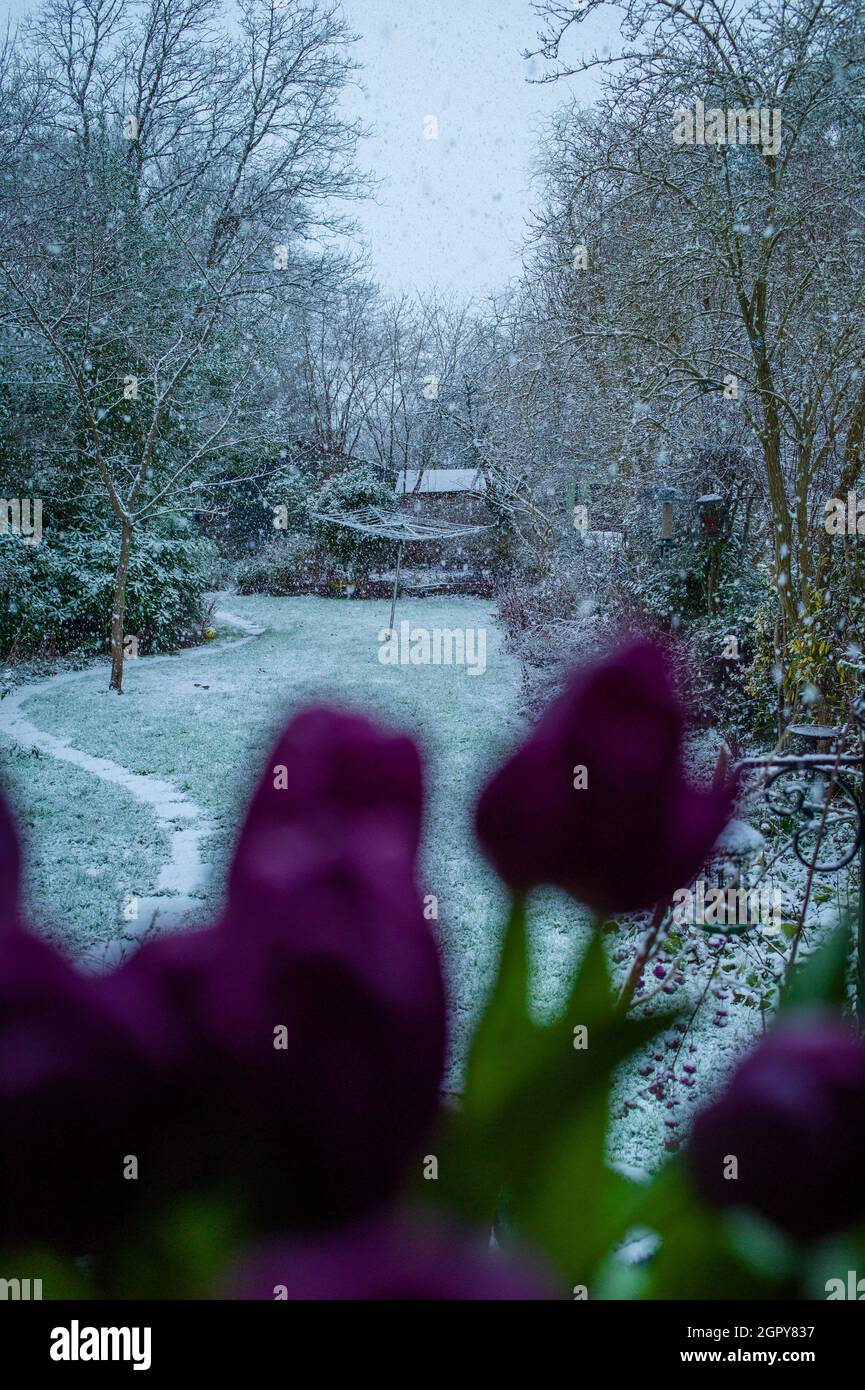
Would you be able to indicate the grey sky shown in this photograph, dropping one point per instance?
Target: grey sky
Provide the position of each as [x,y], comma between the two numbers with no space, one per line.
[452,211]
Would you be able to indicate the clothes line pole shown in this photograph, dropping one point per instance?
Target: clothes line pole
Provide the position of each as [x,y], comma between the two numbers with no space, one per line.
[395,585]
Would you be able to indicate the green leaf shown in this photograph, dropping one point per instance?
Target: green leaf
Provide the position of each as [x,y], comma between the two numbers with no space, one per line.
[534,1116]
[573,1206]
[705,1252]
[183,1253]
[839,1257]
[822,978]
[503,1045]
[57,1275]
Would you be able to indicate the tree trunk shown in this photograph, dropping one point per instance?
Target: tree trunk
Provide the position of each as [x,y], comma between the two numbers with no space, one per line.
[119,608]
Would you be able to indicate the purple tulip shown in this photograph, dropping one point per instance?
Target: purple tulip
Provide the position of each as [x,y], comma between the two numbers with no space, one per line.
[307,1030]
[68,1102]
[332,779]
[329,1027]
[294,1050]
[595,801]
[793,1118]
[403,1257]
[328,955]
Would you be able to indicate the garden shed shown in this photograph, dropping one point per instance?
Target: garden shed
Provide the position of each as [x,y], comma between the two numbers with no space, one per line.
[456,496]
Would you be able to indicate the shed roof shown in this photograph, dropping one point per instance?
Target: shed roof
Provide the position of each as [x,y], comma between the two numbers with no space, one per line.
[411,480]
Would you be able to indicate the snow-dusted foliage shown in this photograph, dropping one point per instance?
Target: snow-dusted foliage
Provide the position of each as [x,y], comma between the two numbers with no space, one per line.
[706,290]
[160,193]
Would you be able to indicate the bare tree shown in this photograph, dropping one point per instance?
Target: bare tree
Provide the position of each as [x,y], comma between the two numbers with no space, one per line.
[172,199]
[745,257]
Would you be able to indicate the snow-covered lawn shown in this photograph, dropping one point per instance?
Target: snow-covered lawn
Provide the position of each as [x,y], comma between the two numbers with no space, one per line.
[202,721]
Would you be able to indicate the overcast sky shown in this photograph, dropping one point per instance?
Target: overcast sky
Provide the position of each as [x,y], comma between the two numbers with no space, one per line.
[450,212]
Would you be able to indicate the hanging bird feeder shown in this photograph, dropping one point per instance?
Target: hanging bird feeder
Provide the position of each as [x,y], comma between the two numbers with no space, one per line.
[667,496]
[710,509]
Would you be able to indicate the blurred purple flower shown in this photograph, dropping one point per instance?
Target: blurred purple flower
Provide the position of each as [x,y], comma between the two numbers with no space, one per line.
[397,1256]
[793,1116]
[630,830]
[295,1048]
[308,1042]
[331,780]
[68,1102]
[324,939]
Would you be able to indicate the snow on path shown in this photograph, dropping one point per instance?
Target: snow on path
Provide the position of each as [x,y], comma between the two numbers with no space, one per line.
[173,899]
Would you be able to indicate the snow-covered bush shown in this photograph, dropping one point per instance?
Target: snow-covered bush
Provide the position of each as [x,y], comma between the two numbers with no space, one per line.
[59,593]
[356,487]
[256,509]
[818,675]
[715,596]
[288,564]
[556,616]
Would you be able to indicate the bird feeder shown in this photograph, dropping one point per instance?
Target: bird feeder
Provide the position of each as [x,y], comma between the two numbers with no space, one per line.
[737,865]
[579,499]
[731,895]
[667,496]
[710,510]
